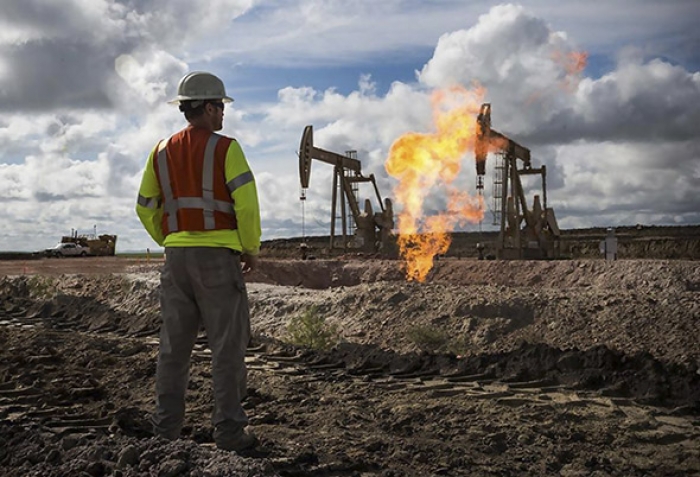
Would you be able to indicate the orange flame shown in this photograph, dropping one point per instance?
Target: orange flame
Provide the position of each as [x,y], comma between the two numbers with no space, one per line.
[423,161]
[573,62]
[571,66]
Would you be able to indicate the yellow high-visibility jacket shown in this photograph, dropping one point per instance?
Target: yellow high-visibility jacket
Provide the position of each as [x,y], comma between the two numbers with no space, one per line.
[245,238]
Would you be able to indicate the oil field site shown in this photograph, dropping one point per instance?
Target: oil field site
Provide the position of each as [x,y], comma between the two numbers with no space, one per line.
[395,346]
[369,239]
[379,350]
[488,367]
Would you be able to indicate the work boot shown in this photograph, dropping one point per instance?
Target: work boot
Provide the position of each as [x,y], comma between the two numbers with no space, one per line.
[239,442]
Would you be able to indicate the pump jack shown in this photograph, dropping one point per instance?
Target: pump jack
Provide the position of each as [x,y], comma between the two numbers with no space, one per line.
[539,236]
[373,229]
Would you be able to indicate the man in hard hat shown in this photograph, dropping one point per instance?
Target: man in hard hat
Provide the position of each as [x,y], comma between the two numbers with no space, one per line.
[199,200]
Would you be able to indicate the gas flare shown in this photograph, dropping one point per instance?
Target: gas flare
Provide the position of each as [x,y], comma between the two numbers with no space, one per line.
[423,162]
[573,64]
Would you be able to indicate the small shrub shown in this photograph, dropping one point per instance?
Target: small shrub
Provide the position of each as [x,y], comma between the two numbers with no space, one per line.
[428,338]
[41,287]
[310,330]
[459,345]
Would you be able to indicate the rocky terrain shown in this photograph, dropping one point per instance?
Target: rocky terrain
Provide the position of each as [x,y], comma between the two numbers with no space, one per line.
[563,368]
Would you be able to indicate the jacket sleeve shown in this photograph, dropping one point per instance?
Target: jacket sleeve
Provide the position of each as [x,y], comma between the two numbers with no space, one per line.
[241,184]
[149,205]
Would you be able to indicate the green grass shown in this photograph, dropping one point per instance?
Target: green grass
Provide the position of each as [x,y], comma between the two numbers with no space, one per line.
[310,330]
[42,287]
[435,340]
[429,338]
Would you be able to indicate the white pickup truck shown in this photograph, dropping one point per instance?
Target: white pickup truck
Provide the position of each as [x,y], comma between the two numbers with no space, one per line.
[68,249]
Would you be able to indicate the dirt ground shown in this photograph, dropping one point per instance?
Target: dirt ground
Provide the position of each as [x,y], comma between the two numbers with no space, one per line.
[490,368]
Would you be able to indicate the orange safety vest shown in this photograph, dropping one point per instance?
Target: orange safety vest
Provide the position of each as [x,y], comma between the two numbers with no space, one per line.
[191,173]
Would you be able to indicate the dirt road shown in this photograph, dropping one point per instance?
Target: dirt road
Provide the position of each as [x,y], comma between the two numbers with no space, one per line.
[567,368]
[73,265]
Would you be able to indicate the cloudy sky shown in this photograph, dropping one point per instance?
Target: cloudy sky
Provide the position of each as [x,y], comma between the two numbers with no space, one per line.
[84,86]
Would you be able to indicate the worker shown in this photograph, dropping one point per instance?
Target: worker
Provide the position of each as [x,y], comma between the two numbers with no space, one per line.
[198,199]
[608,247]
[480,250]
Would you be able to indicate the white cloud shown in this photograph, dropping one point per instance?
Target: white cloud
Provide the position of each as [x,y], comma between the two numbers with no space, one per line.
[63,55]
[623,180]
[527,69]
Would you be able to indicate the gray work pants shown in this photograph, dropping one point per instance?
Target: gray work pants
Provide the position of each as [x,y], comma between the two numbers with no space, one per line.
[202,286]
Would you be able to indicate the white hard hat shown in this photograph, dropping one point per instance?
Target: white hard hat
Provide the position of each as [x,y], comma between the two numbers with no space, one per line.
[200,85]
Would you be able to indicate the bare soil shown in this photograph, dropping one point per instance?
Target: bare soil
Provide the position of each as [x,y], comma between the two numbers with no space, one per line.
[564,368]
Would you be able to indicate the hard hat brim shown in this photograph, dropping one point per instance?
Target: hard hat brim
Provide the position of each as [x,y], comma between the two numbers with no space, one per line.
[179,99]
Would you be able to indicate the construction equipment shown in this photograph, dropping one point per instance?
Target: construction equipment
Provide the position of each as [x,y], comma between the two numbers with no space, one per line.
[372,230]
[102,245]
[524,233]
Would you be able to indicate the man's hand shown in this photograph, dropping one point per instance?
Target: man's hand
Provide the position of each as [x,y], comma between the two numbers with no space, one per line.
[249,262]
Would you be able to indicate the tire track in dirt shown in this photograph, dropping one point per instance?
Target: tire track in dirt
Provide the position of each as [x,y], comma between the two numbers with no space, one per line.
[63,417]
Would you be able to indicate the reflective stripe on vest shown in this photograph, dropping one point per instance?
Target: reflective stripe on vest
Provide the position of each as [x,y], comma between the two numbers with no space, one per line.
[206,203]
[148,202]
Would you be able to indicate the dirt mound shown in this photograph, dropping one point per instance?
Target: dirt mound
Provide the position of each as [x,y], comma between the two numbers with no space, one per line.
[488,368]
[651,275]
